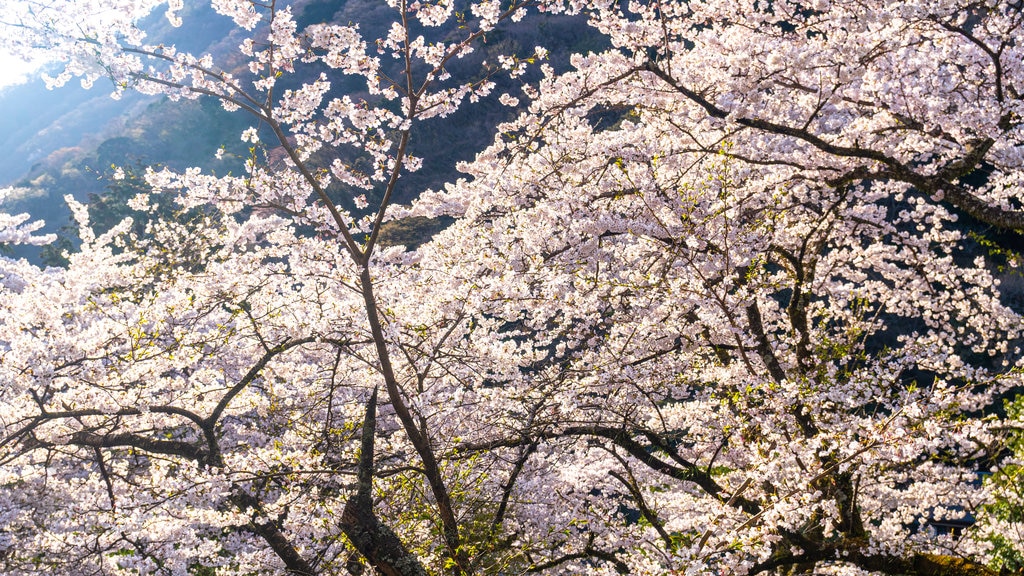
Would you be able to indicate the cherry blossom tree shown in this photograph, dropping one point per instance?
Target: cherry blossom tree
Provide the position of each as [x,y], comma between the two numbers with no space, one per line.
[16,228]
[710,305]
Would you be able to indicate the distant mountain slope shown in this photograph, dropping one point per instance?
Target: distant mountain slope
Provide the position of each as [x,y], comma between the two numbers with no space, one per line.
[64,141]
[58,142]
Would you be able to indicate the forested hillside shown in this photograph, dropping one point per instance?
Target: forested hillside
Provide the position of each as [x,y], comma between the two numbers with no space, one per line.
[70,141]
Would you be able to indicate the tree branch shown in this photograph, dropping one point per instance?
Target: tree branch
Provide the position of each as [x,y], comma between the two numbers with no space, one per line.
[955,194]
[166,447]
[271,534]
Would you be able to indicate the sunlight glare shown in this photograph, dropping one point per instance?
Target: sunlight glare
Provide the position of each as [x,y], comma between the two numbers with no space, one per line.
[15,70]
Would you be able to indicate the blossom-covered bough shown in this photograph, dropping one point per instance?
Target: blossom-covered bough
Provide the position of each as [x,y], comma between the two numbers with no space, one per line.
[709,305]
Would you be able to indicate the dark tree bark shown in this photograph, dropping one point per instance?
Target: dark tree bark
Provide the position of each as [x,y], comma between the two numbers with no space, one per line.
[374,540]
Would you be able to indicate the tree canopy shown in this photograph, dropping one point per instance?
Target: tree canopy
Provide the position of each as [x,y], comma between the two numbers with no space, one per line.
[720,299]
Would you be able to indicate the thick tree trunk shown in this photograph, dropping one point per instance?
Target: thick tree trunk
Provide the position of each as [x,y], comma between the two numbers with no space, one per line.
[375,541]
